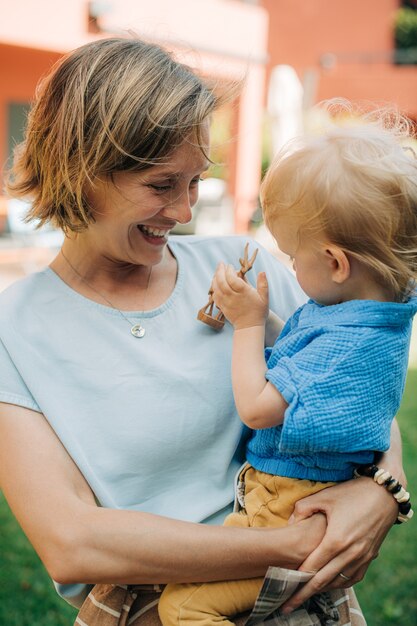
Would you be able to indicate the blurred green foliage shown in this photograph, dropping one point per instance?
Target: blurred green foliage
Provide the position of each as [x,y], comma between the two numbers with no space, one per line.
[406,35]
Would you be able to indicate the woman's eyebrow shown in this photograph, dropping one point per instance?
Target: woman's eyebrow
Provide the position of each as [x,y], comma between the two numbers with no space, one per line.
[178,173]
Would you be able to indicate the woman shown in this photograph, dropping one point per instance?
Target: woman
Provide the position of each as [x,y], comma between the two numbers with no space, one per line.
[112,392]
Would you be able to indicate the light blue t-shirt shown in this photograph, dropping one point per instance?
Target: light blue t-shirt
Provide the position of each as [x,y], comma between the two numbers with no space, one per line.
[150,422]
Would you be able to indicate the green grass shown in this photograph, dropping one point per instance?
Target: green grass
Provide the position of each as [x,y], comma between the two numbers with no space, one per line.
[388,595]
[27,596]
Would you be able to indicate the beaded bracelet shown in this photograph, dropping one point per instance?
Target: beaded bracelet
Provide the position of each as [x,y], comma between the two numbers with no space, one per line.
[384,478]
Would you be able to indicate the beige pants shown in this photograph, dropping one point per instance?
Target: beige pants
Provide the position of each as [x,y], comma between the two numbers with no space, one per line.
[269,502]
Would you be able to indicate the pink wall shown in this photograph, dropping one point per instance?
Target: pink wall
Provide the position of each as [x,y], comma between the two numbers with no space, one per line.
[229,28]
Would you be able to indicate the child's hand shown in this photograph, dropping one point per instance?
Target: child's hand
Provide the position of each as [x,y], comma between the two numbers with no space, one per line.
[242,305]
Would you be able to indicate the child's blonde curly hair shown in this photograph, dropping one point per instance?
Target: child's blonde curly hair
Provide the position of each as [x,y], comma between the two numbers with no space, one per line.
[356,186]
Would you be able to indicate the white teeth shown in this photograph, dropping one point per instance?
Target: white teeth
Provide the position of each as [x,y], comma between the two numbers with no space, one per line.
[153,232]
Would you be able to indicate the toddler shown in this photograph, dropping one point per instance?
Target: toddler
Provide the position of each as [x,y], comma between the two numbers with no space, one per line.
[320,402]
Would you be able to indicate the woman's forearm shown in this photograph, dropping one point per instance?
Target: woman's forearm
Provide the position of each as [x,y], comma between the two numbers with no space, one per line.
[133,547]
[80,542]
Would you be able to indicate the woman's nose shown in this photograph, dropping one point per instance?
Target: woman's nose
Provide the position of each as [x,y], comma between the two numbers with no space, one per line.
[180,209]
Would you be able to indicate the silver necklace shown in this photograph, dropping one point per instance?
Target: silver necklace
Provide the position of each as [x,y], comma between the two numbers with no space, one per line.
[136,330]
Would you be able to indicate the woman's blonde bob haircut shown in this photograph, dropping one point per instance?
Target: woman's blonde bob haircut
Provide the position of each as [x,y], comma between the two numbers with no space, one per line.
[354,186]
[112,105]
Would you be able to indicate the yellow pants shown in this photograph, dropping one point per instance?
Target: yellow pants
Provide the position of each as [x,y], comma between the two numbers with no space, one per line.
[269,502]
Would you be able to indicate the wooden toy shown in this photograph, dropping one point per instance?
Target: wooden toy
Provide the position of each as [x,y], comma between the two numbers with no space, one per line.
[216,319]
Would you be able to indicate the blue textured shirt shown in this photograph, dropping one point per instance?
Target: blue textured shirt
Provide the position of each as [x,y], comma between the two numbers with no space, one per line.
[342,369]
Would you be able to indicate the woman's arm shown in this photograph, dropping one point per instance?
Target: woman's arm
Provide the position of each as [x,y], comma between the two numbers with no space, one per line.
[359,515]
[80,542]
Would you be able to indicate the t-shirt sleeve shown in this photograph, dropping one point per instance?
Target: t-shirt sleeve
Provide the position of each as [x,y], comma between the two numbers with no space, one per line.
[334,397]
[13,389]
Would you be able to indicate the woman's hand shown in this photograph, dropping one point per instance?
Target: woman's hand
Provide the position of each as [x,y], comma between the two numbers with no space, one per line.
[359,515]
[242,305]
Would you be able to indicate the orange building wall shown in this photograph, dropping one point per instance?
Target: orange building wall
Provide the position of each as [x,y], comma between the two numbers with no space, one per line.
[20,69]
[301,31]
[358,35]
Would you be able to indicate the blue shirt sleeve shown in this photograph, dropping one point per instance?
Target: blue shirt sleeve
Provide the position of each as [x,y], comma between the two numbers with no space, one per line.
[342,392]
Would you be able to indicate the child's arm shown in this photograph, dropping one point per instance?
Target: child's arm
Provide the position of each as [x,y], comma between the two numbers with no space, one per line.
[259,403]
[273,328]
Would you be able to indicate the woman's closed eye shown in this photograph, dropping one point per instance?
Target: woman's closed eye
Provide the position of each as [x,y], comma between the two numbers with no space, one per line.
[161,188]
[165,187]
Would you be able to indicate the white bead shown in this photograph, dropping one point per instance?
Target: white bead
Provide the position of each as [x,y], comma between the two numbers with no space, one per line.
[383,477]
[405,497]
[398,496]
[405,517]
[378,474]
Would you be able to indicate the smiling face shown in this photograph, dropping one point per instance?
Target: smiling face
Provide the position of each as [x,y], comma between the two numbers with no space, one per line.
[134,211]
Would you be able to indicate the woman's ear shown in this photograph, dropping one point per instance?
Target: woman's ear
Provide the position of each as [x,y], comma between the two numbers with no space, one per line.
[339,264]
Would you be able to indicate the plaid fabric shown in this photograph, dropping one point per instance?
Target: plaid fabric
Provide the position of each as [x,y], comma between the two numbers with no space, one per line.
[122,605]
[334,608]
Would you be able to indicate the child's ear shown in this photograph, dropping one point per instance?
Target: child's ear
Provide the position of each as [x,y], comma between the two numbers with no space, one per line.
[339,263]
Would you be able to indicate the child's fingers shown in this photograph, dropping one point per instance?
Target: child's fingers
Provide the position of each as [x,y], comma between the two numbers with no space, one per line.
[220,283]
[234,281]
[262,287]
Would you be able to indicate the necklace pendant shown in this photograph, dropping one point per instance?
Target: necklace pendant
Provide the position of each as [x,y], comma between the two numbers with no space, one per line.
[137,331]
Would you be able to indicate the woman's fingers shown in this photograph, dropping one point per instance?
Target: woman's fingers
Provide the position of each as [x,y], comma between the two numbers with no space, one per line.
[329,577]
[306,507]
[351,562]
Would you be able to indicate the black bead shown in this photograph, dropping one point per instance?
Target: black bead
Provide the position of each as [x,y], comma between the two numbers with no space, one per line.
[397,488]
[404,507]
[367,470]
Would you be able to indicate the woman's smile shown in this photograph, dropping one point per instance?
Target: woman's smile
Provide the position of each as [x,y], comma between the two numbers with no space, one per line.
[153,235]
